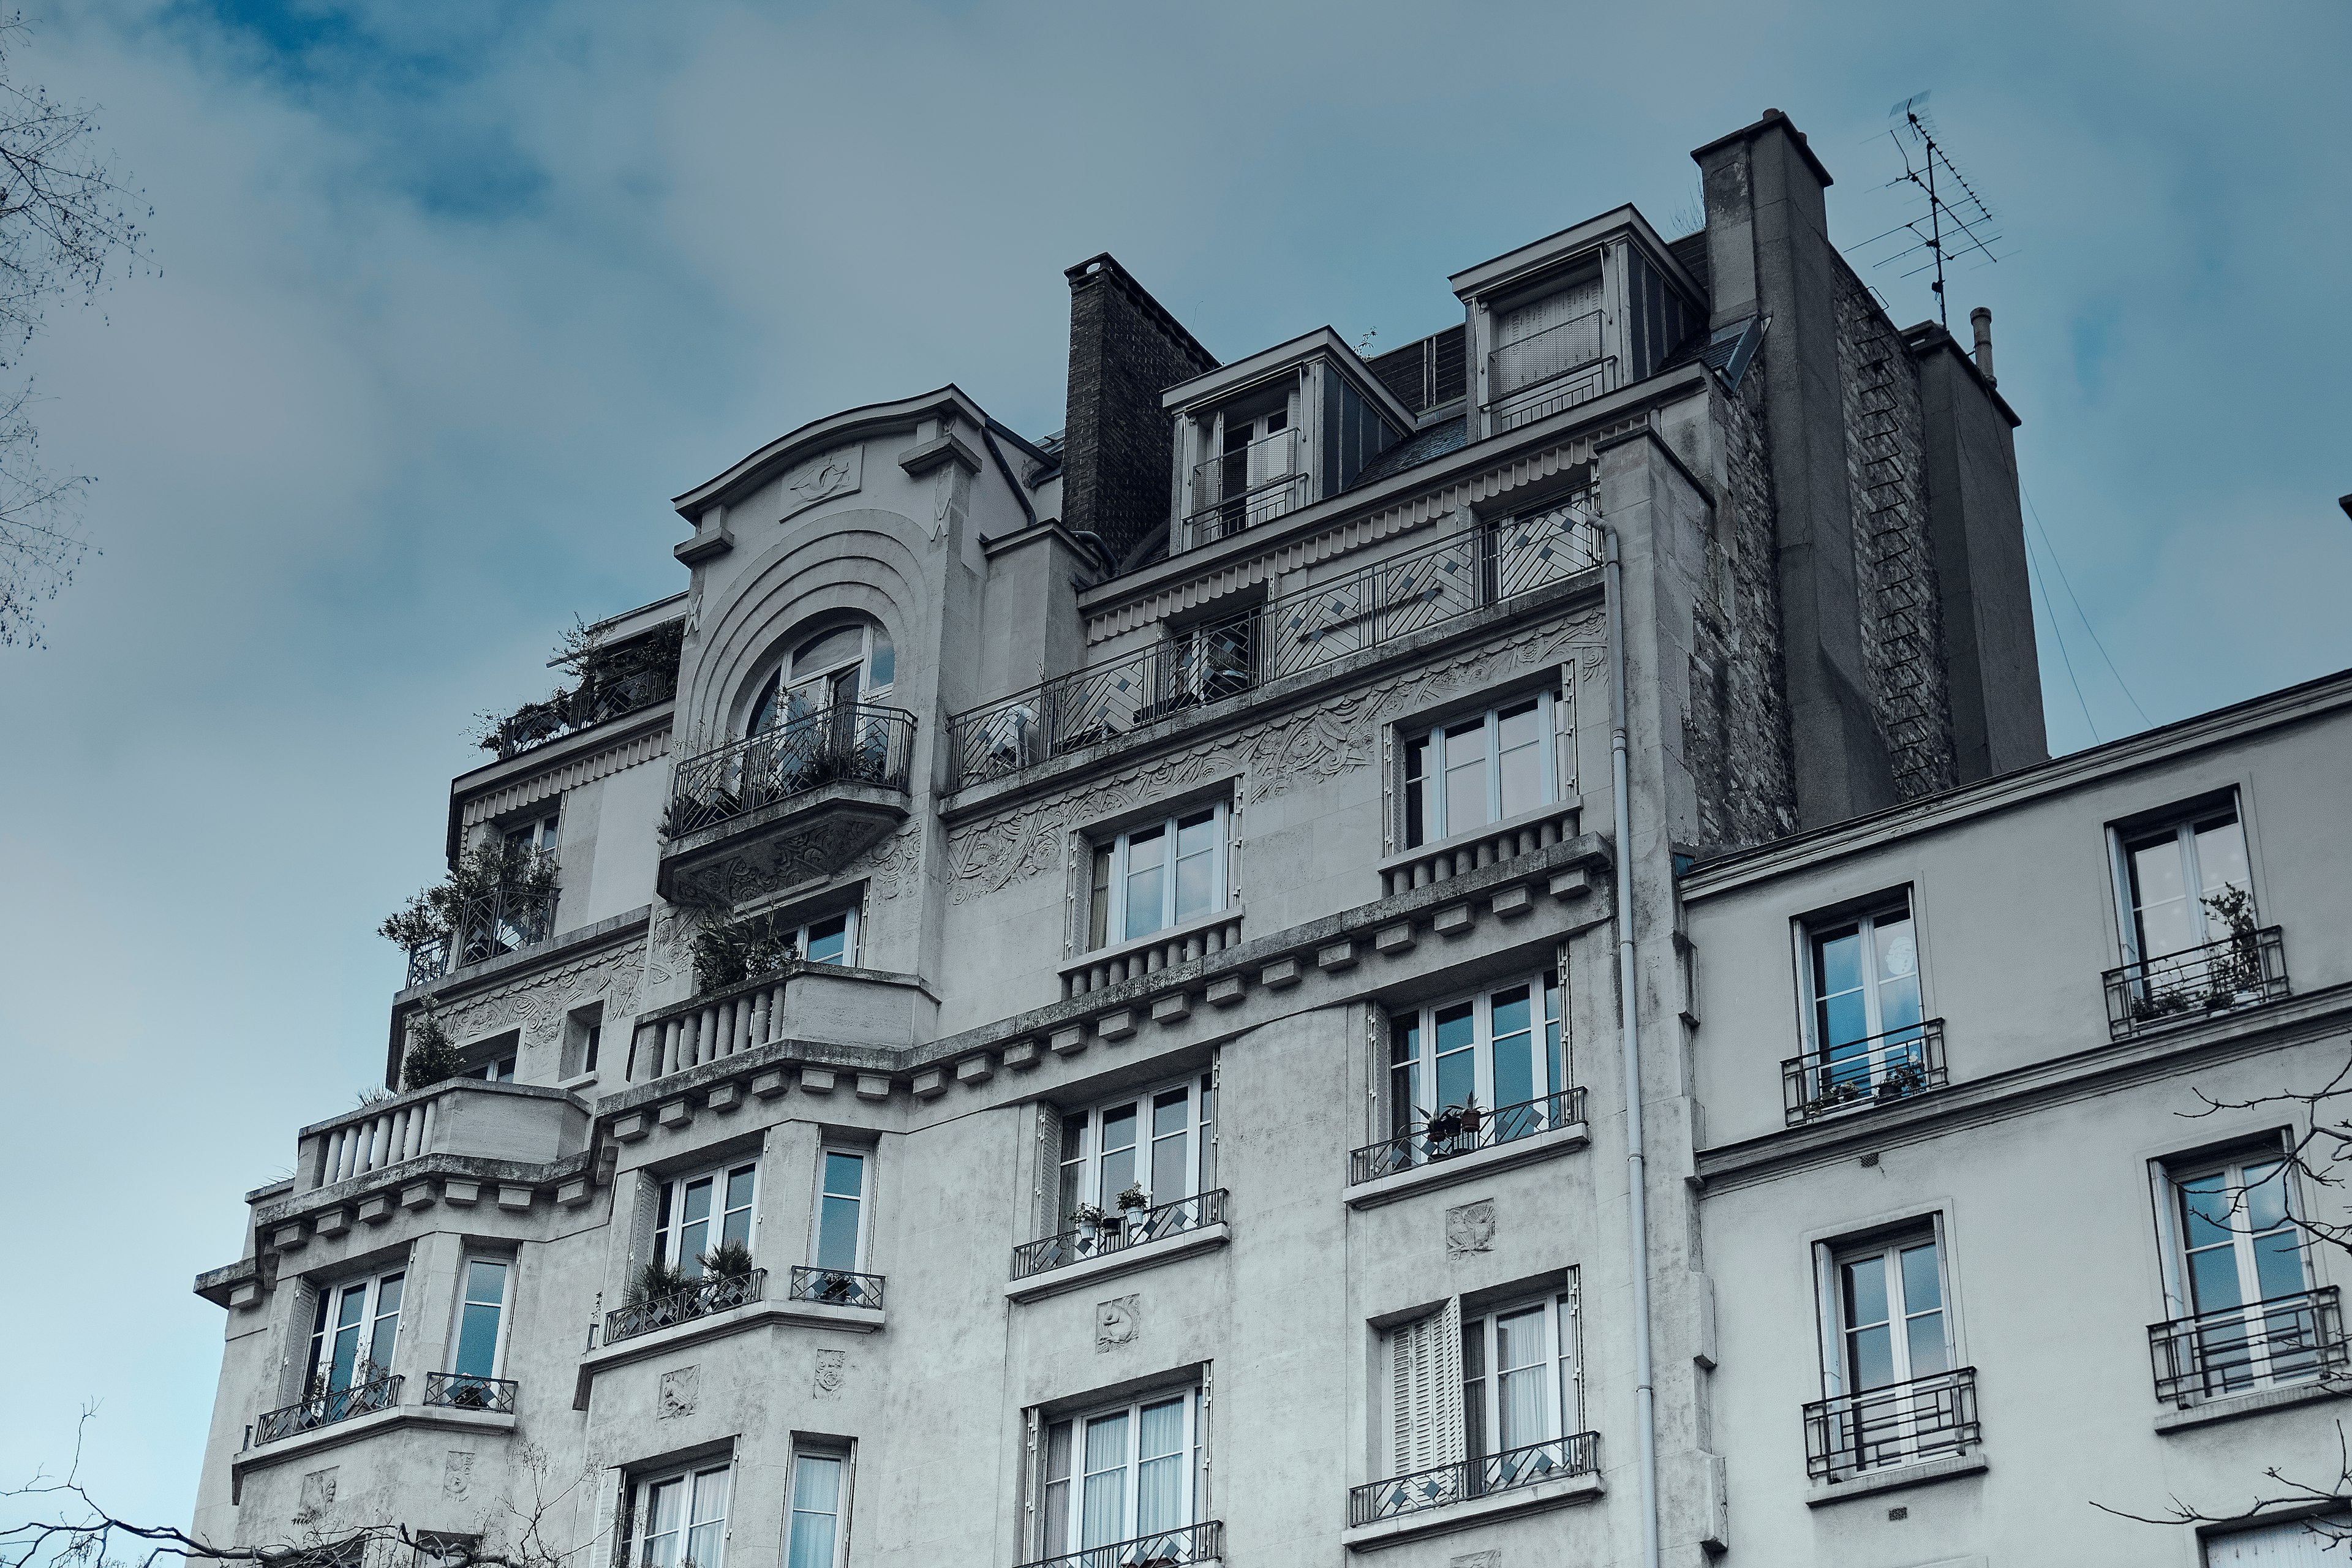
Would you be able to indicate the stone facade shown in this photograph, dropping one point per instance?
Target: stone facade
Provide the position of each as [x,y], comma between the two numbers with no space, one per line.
[1104,1155]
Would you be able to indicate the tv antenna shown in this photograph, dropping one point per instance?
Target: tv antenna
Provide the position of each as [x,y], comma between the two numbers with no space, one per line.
[1954,221]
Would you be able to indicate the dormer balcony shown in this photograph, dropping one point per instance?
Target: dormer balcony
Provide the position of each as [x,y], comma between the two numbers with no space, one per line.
[820,788]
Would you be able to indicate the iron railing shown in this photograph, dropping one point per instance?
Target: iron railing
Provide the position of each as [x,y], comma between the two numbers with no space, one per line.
[1187,1544]
[836,1287]
[1119,1232]
[1295,631]
[328,1407]
[1582,386]
[1873,1070]
[502,921]
[568,712]
[2243,969]
[1226,500]
[850,742]
[1440,1486]
[711,1293]
[462,1391]
[1459,1130]
[1539,356]
[1899,1424]
[2238,1349]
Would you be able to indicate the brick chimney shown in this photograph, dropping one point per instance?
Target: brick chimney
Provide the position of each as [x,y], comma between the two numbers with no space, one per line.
[1125,350]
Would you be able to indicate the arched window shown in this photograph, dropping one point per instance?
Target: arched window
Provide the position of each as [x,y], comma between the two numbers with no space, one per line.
[844,663]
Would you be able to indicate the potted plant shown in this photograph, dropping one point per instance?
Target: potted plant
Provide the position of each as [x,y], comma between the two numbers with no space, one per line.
[468,1393]
[728,1260]
[654,1280]
[1134,1206]
[1087,1220]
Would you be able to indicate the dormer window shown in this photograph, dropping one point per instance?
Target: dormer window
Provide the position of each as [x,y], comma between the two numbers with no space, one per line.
[835,668]
[1257,469]
[1554,336]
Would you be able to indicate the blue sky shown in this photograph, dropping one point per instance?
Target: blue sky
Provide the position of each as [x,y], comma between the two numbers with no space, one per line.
[453,296]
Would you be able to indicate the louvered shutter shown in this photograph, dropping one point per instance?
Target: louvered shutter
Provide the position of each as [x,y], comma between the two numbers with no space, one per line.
[1425,1390]
[641,1228]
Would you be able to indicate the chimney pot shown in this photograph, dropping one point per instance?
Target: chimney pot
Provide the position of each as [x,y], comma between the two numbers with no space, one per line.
[1981,319]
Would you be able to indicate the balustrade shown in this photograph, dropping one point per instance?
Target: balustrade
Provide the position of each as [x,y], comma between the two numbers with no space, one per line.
[400,1131]
[1900,1422]
[707,1029]
[1465,853]
[1149,955]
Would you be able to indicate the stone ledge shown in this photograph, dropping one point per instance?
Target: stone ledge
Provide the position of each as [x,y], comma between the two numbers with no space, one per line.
[1895,1478]
[717,1326]
[1461,1168]
[359,1428]
[2237,1407]
[1126,1260]
[1405,1527]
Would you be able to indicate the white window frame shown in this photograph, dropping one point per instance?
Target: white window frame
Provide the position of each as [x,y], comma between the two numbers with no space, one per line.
[1200,1156]
[842,1458]
[669,1214]
[1885,1056]
[1113,896]
[540,833]
[465,1299]
[1830,1258]
[863,1199]
[2182,825]
[689,1478]
[2168,1180]
[1072,1503]
[820,686]
[1411,1107]
[1564,1389]
[848,916]
[1436,827]
[327,1326]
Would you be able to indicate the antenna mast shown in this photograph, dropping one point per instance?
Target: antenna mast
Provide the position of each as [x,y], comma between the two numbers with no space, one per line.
[1956,220]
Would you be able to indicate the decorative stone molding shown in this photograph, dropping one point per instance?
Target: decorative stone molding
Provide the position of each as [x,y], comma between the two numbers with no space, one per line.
[1470,1228]
[829,1373]
[681,1390]
[1118,1322]
[839,472]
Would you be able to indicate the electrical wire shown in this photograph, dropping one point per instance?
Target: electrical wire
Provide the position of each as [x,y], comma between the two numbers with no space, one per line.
[2034,566]
[2087,627]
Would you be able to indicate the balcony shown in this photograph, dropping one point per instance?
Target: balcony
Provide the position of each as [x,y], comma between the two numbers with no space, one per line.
[1465,1130]
[1559,367]
[1137,1236]
[2244,969]
[523,1124]
[1479,1476]
[2274,1344]
[1904,1422]
[489,925]
[837,1287]
[1257,484]
[1877,1069]
[1179,1548]
[711,1293]
[328,1407]
[1294,634]
[813,794]
[461,1391]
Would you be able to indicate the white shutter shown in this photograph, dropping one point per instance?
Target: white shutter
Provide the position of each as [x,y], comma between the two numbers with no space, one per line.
[2287,1544]
[641,1230]
[1537,315]
[1426,1389]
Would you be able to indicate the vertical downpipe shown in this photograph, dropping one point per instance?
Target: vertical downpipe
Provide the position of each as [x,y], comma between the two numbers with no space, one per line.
[1628,1016]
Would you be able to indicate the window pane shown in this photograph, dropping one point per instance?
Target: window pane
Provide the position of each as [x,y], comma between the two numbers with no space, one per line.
[478,1340]
[1417,825]
[837,1234]
[828,940]
[1160,1491]
[816,1500]
[1923,1289]
[1551,1036]
[1519,743]
[882,663]
[1196,864]
[662,1508]
[2278,1264]
[2221,854]
[1146,881]
[1104,1509]
[2205,1205]
[703,1541]
[1099,907]
[2265,1196]
[1899,973]
[1926,1345]
[2167,923]
[1515,1064]
[1405,1105]
[1870,1358]
[2214,1278]
[1057,1489]
[1865,1291]
[821,652]
[1465,778]
[1456,1061]
[1118,1153]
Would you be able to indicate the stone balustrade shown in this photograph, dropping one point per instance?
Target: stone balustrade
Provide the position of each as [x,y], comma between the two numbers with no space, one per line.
[1150,954]
[707,1029]
[1465,853]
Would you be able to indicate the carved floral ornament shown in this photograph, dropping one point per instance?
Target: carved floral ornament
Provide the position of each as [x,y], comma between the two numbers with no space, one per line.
[1310,743]
[539,1005]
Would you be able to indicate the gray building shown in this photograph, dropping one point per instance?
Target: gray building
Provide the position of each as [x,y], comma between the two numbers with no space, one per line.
[1469,958]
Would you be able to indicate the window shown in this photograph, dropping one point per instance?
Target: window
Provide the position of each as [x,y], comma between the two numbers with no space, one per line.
[1890,1314]
[840,1242]
[832,940]
[1252,467]
[1547,336]
[2288,1543]
[1163,1142]
[2238,1277]
[845,665]
[1476,1070]
[1519,1388]
[478,1317]
[1862,1004]
[2175,875]
[356,1331]
[1460,776]
[1125,1473]
[1479,1402]
[497,1069]
[1153,876]
[538,834]
[699,1214]
[583,1037]
[682,1518]
[813,1537]
[1893,1394]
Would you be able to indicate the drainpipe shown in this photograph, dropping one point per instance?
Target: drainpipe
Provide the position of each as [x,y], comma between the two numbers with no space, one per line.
[1645,1397]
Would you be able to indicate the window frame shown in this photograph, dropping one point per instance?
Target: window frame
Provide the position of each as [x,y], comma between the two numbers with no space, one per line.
[1110,871]
[499,1337]
[1200,1156]
[1073,1509]
[540,833]
[1863,916]
[2182,822]
[1889,1243]
[1422,741]
[326,1328]
[778,682]
[1548,1045]
[670,1199]
[863,1244]
[2167,1179]
[642,1491]
[1563,1328]
[843,1455]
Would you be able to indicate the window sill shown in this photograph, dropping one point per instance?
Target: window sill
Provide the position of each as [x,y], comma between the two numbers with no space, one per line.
[1561,1493]
[1465,1167]
[358,1428]
[1231,913]
[720,1325]
[2236,1406]
[1126,1260]
[1896,1477]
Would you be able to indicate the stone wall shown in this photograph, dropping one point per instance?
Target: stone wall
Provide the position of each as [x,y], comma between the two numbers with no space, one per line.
[1125,351]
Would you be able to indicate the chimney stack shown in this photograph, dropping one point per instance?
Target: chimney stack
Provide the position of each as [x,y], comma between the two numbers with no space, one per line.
[1125,350]
[1981,319]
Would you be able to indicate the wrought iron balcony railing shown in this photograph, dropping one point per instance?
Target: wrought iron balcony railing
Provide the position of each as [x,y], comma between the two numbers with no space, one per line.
[462,1391]
[1442,1486]
[503,921]
[328,1407]
[1295,631]
[2244,969]
[850,742]
[1925,1418]
[711,1293]
[1119,1232]
[1187,1544]
[1460,1131]
[1873,1070]
[2240,1350]
[836,1287]
[1241,489]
